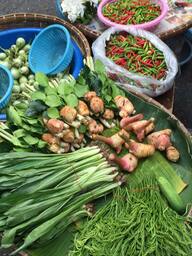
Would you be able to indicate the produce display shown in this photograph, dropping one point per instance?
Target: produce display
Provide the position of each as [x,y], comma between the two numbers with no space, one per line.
[46,193]
[87,168]
[132,11]
[137,55]
[16,59]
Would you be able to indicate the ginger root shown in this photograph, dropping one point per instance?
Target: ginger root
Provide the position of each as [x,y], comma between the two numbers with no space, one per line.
[97,105]
[55,125]
[141,150]
[108,114]
[161,139]
[68,136]
[68,113]
[172,154]
[128,120]
[89,95]
[82,108]
[50,139]
[94,127]
[127,163]
[124,105]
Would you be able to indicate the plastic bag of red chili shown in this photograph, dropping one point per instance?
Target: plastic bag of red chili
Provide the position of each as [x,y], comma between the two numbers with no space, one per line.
[137,59]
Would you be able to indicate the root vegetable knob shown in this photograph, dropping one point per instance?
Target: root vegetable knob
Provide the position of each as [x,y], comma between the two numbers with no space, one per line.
[114,141]
[149,128]
[55,125]
[94,127]
[68,113]
[82,108]
[97,105]
[54,148]
[50,139]
[160,139]
[89,95]
[128,120]
[125,106]
[108,114]
[126,163]
[141,150]
[172,154]
[80,139]
[68,136]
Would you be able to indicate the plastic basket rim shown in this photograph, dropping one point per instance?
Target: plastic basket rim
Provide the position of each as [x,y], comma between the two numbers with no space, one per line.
[68,44]
[146,25]
[10,86]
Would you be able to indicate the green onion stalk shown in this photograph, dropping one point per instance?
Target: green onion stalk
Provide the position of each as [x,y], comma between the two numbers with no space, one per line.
[42,194]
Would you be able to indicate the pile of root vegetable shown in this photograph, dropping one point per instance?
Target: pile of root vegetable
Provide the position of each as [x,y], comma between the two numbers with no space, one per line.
[95,133]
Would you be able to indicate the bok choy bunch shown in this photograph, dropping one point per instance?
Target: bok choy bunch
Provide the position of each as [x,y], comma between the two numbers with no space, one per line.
[45,193]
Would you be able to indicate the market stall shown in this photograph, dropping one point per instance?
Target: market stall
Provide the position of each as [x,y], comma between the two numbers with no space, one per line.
[92,164]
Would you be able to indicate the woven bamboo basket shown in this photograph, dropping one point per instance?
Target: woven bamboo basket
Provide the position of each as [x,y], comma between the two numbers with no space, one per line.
[21,20]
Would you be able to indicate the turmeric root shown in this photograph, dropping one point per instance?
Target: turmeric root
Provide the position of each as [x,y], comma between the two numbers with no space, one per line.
[141,150]
[124,105]
[172,154]
[160,139]
[126,163]
[68,113]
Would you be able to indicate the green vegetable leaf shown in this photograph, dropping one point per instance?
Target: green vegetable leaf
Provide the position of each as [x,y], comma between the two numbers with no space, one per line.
[13,116]
[41,144]
[53,113]
[38,96]
[53,100]
[99,67]
[31,140]
[65,89]
[19,133]
[71,100]
[116,91]
[42,79]
[50,90]
[80,90]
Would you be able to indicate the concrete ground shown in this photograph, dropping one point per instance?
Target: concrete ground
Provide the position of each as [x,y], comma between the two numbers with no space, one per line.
[183,96]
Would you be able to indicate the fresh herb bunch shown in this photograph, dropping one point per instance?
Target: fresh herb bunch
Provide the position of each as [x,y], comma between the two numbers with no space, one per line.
[137,221]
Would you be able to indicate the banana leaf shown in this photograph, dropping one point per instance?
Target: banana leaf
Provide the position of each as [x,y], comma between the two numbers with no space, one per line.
[181,139]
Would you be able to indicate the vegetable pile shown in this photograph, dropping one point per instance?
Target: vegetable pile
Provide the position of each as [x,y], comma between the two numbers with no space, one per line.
[137,55]
[135,222]
[132,11]
[45,193]
[16,59]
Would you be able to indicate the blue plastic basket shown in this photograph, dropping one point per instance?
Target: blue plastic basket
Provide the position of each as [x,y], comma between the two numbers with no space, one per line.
[6,85]
[51,51]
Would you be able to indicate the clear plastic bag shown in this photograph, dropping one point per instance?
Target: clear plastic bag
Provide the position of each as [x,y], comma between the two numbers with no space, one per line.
[137,82]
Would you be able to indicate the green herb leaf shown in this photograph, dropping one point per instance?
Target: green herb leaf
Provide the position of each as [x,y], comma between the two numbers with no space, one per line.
[41,144]
[38,96]
[53,113]
[42,79]
[99,67]
[31,140]
[19,133]
[13,116]
[53,100]
[71,100]
[65,88]
[50,90]
[80,90]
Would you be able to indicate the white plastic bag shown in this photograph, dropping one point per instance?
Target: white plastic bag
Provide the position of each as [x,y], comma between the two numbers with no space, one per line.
[137,82]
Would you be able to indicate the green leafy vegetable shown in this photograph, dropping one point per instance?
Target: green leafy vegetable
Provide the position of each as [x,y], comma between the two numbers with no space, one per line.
[42,79]
[38,96]
[53,113]
[53,100]
[71,100]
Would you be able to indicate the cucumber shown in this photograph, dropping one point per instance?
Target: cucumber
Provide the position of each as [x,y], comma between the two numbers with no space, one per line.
[171,195]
